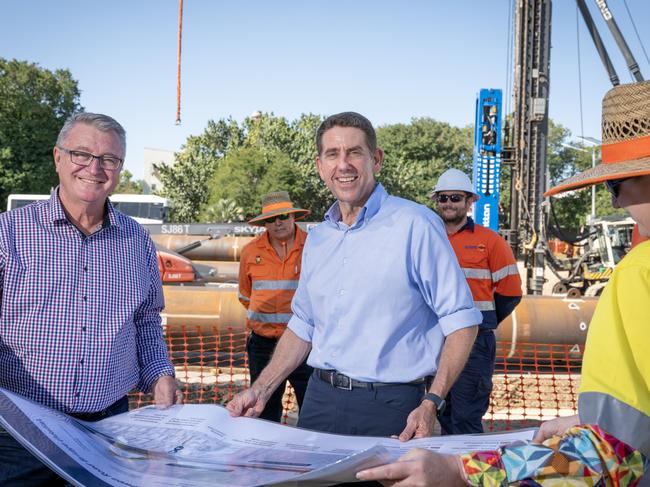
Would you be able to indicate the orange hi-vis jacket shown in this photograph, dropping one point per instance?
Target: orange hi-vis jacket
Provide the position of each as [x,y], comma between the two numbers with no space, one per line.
[491,271]
[267,283]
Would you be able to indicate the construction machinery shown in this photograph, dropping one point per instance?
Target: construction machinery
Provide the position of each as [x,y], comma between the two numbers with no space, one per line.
[524,153]
[607,241]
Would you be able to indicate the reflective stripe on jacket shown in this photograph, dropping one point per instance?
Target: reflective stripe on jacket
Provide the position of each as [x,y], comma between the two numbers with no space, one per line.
[615,382]
[490,268]
[267,284]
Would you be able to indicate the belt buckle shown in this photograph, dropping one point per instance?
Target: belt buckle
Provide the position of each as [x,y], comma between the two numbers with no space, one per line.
[341,381]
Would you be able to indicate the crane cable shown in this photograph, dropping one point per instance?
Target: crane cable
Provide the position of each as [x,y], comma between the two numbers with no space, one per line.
[582,127]
[636,31]
[178,68]
[509,60]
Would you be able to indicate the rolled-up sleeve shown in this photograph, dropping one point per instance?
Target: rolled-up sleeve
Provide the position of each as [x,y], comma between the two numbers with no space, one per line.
[302,321]
[436,272]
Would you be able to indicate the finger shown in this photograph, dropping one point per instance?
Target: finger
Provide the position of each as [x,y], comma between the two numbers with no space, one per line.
[234,407]
[408,432]
[251,413]
[375,473]
[180,397]
[424,430]
[163,399]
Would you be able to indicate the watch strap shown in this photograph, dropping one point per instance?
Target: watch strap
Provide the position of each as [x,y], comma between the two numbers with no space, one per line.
[435,399]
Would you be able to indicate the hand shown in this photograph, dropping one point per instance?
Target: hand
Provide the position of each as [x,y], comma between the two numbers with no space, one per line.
[166,392]
[555,427]
[248,403]
[420,422]
[418,468]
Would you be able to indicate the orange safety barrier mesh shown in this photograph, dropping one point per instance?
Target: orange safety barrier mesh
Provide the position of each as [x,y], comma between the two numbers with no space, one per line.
[532,382]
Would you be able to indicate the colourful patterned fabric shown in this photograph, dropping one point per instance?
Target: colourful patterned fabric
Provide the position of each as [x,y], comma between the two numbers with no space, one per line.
[585,455]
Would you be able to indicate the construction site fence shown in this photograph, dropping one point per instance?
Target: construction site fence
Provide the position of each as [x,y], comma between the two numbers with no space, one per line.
[532,382]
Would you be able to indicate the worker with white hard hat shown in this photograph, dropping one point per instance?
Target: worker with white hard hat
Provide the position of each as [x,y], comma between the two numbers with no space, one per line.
[491,272]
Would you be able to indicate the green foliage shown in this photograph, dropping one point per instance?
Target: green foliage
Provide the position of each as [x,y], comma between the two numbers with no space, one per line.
[186,182]
[34,103]
[127,185]
[418,153]
[241,163]
[566,158]
[223,211]
[247,173]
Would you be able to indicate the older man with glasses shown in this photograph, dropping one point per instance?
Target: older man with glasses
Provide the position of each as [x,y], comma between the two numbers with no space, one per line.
[80,296]
[269,269]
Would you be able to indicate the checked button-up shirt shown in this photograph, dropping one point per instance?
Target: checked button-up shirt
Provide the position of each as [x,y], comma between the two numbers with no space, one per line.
[80,318]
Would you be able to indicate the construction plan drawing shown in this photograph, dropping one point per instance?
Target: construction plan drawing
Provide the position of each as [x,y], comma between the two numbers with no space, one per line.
[200,445]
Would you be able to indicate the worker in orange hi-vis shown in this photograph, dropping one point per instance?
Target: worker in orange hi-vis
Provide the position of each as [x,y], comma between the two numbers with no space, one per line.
[491,272]
[269,270]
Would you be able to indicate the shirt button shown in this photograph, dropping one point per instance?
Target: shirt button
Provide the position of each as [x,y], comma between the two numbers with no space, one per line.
[77,394]
[81,361]
[345,261]
[333,354]
[342,292]
[85,298]
[83,328]
[85,268]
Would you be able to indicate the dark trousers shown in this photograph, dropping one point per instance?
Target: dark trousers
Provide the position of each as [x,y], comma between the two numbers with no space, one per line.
[469,398]
[378,411]
[18,467]
[260,349]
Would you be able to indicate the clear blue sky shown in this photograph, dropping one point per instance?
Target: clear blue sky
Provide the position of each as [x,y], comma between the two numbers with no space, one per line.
[388,60]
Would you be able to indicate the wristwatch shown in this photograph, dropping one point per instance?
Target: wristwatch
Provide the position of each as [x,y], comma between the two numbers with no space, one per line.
[437,400]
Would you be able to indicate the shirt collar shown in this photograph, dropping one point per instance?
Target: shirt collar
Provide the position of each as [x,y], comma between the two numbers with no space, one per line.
[57,214]
[370,209]
[469,225]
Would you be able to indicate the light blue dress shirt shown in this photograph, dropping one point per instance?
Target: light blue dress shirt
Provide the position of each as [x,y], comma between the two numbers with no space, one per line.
[376,299]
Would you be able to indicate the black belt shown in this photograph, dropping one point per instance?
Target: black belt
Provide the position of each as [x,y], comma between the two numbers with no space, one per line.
[342,381]
[104,413]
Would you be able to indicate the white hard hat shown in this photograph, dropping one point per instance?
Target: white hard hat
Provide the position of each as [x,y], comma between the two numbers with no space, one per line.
[454,180]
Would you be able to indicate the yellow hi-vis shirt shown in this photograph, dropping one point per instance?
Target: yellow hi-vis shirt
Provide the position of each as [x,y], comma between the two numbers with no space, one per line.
[615,385]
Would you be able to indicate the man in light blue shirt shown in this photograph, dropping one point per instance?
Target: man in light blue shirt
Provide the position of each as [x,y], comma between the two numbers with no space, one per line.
[382,308]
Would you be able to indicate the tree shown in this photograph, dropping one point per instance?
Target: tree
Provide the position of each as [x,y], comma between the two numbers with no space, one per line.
[35,104]
[127,185]
[418,153]
[247,173]
[194,182]
[223,211]
[186,181]
[241,162]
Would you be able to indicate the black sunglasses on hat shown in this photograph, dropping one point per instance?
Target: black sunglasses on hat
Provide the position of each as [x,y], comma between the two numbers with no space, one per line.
[282,217]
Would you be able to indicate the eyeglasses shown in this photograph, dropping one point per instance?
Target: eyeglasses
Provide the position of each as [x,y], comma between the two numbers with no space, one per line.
[614,186]
[454,198]
[282,217]
[81,158]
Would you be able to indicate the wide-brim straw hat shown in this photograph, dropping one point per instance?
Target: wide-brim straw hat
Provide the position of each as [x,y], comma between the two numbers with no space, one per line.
[626,139]
[277,203]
